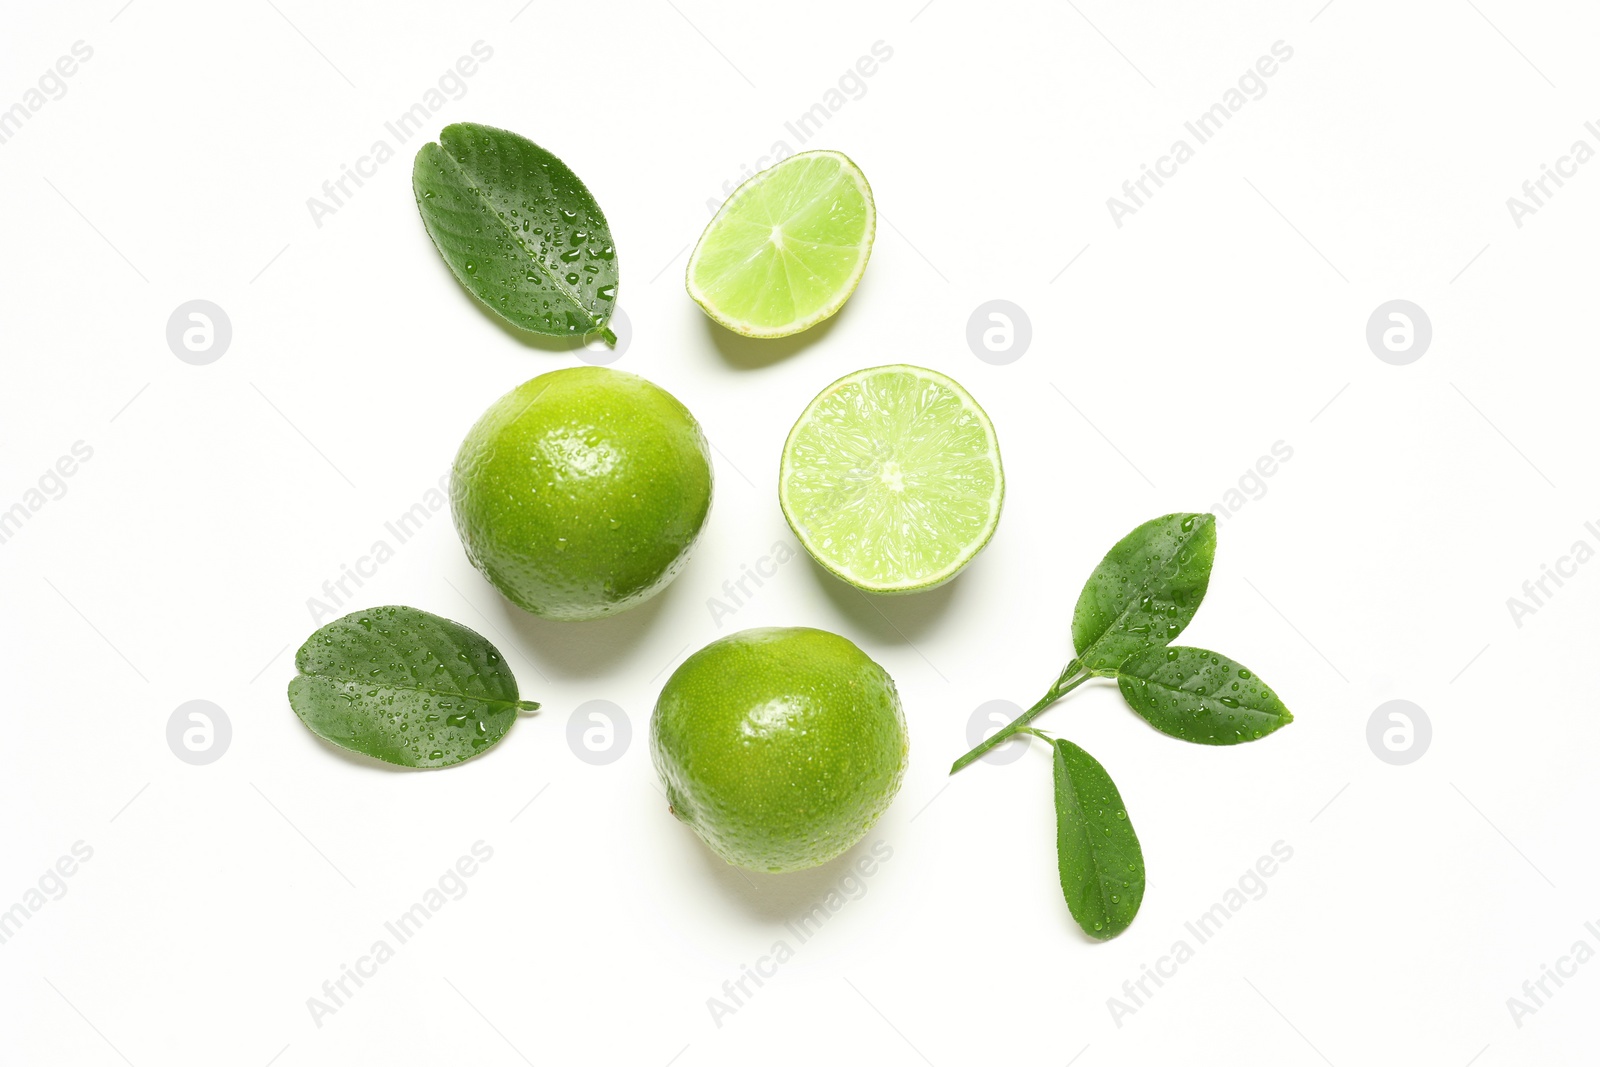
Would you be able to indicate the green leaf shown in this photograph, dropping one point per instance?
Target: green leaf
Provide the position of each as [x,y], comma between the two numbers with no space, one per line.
[1102,866]
[1145,591]
[1200,696]
[518,229]
[405,687]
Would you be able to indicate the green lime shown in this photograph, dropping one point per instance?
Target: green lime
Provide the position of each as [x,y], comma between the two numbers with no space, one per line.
[787,248]
[891,479]
[580,493]
[780,747]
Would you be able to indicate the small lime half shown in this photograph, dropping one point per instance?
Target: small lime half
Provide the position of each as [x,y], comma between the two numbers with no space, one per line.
[787,248]
[891,479]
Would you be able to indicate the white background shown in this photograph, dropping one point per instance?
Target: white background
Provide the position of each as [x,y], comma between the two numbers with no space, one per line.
[1228,314]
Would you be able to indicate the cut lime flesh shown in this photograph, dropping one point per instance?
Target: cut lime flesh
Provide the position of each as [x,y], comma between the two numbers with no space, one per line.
[891,479]
[788,247]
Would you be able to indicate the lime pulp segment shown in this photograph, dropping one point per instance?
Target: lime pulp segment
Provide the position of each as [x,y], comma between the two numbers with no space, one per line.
[788,247]
[892,479]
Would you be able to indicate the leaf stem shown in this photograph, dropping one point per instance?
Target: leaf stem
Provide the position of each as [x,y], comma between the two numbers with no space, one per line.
[1072,676]
[527,705]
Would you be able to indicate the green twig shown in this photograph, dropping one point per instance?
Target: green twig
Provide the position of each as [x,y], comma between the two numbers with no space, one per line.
[1072,676]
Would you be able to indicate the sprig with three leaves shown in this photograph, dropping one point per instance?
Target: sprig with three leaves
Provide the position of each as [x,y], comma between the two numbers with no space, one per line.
[1140,597]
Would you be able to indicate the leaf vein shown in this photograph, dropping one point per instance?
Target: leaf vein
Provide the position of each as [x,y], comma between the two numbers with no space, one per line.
[1134,599]
[556,280]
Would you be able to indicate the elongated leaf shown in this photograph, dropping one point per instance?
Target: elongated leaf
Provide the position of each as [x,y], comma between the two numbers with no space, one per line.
[518,229]
[1145,591]
[405,687]
[1102,866]
[1200,696]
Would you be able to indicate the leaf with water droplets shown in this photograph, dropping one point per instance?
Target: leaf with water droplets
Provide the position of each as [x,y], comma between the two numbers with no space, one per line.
[1102,866]
[1200,696]
[519,230]
[1145,591]
[405,687]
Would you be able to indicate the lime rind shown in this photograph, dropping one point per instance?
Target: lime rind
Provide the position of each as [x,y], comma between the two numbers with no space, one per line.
[582,492]
[782,254]
[892,479]
[779,746]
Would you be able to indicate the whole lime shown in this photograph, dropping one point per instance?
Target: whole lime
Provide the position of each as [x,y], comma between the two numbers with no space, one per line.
[580,493]
[779,746]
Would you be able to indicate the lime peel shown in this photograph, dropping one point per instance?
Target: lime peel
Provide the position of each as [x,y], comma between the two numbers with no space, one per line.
[779,746]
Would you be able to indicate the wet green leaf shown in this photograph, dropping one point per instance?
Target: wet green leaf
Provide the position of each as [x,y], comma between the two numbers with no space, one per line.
[1145,590]
[405,687]
[518,229]
[1200,696]
[1102,866]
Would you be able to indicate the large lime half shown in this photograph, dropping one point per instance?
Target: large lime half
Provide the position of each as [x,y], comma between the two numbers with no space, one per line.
[787,248]
[892,480]
[779,746]
[580,492]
